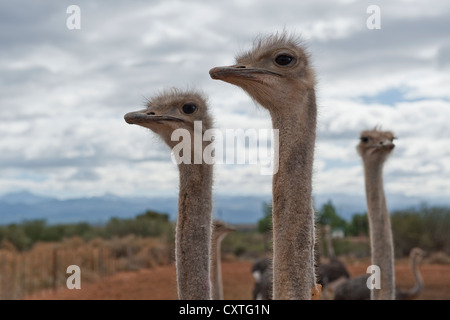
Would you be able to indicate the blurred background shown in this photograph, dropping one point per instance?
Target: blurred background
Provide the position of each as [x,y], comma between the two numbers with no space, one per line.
[78,185]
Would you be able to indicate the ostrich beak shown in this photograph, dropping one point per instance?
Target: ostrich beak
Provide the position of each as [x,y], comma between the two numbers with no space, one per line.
[240,72]
[143,116]
[388,144]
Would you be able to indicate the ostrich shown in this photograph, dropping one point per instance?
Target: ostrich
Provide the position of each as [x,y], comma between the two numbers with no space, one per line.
[351,289]
[335,268]
[356,288]
[374,148]
[177,109]
[415,257]
[219,230]
[327,273]
[277,74]
[262,273]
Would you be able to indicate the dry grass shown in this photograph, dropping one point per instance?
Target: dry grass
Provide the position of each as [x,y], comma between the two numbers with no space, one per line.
[142,268]
[159,283]
[44,265]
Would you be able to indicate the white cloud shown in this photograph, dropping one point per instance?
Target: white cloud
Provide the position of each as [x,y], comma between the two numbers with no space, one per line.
[63,93]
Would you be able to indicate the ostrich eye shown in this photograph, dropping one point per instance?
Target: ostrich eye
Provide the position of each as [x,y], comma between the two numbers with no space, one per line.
[364,139]
[189,108]
[283,59]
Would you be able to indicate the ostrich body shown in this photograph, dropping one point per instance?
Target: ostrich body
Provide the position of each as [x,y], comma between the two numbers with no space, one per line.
[165,113]
[352,289]
[374,148]
[332,271]
[356,288]
[328,273]
[262,273]
[219,230]
[277,74]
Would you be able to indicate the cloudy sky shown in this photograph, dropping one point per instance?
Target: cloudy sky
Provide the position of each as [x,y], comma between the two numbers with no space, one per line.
[64,92]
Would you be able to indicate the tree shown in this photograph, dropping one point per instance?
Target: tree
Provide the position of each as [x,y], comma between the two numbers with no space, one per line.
[328,216]
[153,215]
[425,227]
[408,231]
[359,225]
[16,235]
[265,224]
[34,229]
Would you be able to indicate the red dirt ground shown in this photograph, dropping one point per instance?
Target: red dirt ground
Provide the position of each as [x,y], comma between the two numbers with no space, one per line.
[160,283]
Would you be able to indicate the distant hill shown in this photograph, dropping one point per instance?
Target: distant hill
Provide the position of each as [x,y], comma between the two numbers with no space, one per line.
[19,206]
[16,207]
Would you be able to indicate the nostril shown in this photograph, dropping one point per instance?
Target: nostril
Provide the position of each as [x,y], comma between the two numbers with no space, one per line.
[240,67]
[150,113]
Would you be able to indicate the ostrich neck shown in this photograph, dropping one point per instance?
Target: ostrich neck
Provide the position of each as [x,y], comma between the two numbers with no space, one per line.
[418,285]
[329,243]
[293,214]
[216,273]
[380,230]
[193,231]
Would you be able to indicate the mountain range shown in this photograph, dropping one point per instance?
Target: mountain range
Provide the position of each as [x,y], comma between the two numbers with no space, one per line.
[19,206]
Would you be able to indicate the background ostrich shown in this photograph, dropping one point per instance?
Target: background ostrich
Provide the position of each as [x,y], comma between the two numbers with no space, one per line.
[166,112]
[374,148]
[219,230]
[356,288]
[335,268]
[415,258]
[263,274]
[277,74]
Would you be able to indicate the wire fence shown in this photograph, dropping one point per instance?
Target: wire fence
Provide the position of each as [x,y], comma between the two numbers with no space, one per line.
[45,266]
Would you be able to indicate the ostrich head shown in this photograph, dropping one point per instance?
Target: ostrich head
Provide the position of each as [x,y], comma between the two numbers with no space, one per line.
[276,70]
[170,110]
[221,228]
[375,144]
[418,253]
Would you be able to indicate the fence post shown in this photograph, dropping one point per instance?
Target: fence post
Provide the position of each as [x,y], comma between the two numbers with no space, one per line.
[23,266]
[100,262]
[2,275]
[13,277]
[55,269]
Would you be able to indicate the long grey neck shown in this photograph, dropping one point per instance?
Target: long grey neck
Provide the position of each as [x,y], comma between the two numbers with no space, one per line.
[216,270]
[418,285]
[293,214]
[193,231]
[329,243]
[380,231]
